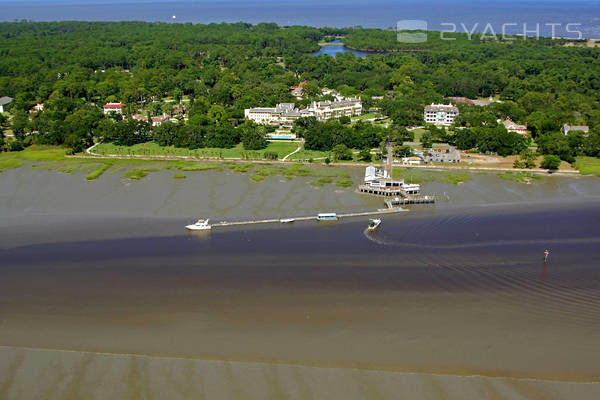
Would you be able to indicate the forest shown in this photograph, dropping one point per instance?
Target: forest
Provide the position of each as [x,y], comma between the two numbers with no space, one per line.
[73,68]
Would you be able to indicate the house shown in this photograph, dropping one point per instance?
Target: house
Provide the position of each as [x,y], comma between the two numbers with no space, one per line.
[483,103]
[179,110]
[156,121]
[39,107]
[462,100]
[513,127]
[4,101]
[466,100]
[298,91]
[440,114]
[568,128]
[114,108]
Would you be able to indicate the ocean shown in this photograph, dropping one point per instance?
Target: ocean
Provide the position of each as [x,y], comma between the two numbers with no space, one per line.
[517,17]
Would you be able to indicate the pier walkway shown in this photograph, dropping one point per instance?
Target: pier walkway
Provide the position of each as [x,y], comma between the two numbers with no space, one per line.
[309,218]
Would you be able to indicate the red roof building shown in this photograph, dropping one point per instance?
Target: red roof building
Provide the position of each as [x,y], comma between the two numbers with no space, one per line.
[114,107]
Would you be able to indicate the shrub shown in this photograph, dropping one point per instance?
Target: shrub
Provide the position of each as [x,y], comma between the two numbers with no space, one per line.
[550,162]
[271,155]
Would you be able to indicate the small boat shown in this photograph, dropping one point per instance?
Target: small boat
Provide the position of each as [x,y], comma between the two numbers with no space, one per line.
[327,217]
[374,223]
[200,225]
[287,220]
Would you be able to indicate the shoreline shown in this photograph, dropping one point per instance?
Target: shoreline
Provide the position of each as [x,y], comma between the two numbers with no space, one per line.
[334,164]
[352,366]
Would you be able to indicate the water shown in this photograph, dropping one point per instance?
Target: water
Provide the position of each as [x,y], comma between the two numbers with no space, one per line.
[333,50]
[379,14]
[458,289]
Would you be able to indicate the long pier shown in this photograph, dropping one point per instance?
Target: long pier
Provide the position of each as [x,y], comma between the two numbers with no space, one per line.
[309,218]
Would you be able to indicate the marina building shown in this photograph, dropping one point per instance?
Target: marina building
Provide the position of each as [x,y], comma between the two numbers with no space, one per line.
[440,114]
[378,181]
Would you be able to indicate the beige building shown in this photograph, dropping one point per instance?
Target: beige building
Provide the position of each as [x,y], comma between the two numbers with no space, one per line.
[287,113]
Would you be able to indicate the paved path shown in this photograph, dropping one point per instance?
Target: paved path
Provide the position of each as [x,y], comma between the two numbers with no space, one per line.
[295,151]
[89,149]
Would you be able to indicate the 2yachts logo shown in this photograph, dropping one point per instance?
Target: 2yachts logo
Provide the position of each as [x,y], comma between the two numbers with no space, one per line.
[411,31]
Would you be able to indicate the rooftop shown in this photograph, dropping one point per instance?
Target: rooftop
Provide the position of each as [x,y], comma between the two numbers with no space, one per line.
[441,107]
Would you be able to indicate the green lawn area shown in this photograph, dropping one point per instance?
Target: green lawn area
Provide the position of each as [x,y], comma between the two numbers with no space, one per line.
[419,134]
[316,155]
[368,116]
[237,152]
[588,165]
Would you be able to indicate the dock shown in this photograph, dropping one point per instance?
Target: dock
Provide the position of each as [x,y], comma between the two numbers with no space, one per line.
[394,210]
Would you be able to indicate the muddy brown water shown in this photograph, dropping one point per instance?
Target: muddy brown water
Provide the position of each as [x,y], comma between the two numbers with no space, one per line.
[104,295]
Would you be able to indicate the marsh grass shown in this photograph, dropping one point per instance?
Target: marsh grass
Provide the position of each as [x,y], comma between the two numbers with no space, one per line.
[97,173]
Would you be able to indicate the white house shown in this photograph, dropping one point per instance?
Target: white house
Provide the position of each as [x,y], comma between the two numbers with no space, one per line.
[568,128]
[114,108]
[513,127]
[440,114]
[4,101]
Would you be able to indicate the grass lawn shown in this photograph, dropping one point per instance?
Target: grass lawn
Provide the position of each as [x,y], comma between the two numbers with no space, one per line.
[304,155]
[367,116]
[588,165]
[419,134]
[237,152]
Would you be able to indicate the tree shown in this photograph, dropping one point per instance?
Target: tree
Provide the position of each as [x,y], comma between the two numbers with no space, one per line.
[177,95]
[341,152]
[253,136]
[19,125]
[402,151]
[551,162]
[528,158]
[427,140]
[365,155]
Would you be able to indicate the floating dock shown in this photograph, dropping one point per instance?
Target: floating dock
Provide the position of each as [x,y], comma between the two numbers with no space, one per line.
[310,218]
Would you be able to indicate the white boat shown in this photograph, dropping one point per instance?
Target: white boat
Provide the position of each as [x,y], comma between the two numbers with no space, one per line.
[374,223]
[200,225]
[327,217]
[287,220]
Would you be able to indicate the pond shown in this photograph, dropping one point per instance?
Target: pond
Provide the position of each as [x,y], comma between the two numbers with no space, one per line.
[334,47]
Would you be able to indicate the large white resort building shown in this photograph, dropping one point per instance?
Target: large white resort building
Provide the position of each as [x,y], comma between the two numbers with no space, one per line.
[287,113]
[440,114]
